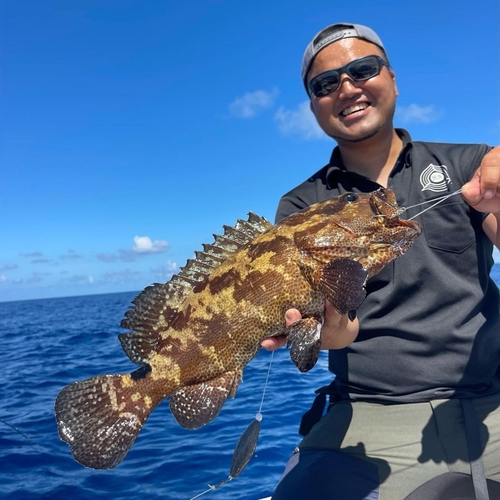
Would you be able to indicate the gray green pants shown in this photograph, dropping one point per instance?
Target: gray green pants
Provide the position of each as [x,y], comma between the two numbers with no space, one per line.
[394,448]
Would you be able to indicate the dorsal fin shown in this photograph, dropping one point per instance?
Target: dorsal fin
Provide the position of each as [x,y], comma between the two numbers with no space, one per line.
[156,306]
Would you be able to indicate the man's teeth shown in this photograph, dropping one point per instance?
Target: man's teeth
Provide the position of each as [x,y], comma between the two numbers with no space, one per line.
[353,109]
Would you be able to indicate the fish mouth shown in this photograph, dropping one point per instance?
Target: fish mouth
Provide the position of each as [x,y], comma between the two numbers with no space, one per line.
[412,225]
[384,205]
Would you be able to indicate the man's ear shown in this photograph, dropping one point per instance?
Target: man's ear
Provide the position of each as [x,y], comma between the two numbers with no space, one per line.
[393,76]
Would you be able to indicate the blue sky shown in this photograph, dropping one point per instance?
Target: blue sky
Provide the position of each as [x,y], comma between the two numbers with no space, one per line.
[131,131]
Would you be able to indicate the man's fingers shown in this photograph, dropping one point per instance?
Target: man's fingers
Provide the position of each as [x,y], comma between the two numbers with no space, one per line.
[273,343]
[333,319]
[471,190]
[291,316]
[474,192]
[490,173]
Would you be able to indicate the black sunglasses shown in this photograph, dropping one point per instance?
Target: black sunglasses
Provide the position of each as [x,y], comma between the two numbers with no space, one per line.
[359,70]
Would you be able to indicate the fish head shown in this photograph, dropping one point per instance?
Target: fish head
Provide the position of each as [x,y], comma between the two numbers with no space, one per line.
[398,233]
[365,227]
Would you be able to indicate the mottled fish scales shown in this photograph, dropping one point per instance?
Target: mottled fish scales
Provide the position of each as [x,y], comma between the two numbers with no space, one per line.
[193,335]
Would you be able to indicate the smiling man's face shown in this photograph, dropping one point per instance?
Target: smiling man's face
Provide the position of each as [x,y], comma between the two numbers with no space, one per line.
[356,111]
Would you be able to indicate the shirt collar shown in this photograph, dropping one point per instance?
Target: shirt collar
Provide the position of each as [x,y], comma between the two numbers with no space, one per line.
[336,166]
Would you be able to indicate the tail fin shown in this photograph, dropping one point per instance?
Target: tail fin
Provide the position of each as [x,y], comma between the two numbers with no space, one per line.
[100,417]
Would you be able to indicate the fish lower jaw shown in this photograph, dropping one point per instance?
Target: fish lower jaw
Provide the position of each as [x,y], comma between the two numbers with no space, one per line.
[401,247]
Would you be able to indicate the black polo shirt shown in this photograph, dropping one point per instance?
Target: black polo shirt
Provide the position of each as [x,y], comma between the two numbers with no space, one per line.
[430,324]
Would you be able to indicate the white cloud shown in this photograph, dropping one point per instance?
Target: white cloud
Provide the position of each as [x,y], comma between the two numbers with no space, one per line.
[81,278]
[414,113]
[299,122]
[166,271]
[253,103]
[32,254]
[71,254]
[144,245]
[36,277]
[124,277]
[41,261]
[8,267]
[107,257]
[127,255]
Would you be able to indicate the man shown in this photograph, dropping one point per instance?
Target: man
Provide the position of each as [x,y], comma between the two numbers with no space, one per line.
[417,386]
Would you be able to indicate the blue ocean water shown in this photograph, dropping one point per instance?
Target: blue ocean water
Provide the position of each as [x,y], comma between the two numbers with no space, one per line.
[49,343]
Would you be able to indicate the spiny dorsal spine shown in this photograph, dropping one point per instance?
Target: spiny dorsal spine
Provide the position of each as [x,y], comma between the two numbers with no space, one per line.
[156,307]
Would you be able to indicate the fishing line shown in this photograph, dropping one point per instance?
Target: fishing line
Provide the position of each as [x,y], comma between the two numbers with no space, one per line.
[436,200]
[15,428]
[265,384]
[245,447]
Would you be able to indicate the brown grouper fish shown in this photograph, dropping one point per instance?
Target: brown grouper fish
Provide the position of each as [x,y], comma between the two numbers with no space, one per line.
[193,335]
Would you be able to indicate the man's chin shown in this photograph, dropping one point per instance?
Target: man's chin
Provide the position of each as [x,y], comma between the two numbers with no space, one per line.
[354,137]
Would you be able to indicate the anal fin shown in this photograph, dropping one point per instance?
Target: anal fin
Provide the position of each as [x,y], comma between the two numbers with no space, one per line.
[196,405]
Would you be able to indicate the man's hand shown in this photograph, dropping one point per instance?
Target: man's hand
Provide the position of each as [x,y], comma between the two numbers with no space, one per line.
[338,332]
[483,191]
[273,343]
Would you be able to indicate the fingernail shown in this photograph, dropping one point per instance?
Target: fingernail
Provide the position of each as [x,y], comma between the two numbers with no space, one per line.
[489,193]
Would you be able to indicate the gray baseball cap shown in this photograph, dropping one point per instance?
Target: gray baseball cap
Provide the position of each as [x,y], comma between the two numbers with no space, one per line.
[331,34]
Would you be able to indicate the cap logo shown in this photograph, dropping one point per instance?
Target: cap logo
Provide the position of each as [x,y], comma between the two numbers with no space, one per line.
[435,178]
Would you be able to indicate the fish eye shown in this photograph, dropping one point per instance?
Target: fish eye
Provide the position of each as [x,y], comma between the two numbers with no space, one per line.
[349,197]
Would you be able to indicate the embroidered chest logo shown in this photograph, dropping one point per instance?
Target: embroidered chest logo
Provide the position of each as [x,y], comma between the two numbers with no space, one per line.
[435,178]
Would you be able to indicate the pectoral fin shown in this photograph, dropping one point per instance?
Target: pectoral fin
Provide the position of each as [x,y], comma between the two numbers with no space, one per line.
[341,281]
[198,404]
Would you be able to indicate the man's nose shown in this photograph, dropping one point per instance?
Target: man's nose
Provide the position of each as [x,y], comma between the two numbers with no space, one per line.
[347,87]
